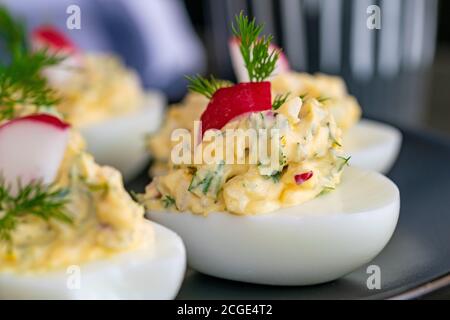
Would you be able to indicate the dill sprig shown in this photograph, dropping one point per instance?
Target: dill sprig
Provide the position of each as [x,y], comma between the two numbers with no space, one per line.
[323,99]
[167,201]
[21,79]
[37,199]
[279,100]
[206,86]
[344,162]
[259,61]
[21,83]
[276,176]
[326,190]
[12,33]
[303,96]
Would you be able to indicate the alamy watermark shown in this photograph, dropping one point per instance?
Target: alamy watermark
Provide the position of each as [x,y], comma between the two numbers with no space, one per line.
[233,146]
[374,19]
[73,277]
[374,280]
[73,21]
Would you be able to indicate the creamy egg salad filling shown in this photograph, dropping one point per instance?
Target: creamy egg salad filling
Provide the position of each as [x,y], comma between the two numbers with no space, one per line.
[311,163]
[300,138]
[330,90]
[100,88]
[57,206]
[180,115]
[105,220]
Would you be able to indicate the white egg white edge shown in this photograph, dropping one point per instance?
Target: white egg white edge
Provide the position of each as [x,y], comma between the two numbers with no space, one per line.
[318,241]
[373,145]
[150,272]
[120,141]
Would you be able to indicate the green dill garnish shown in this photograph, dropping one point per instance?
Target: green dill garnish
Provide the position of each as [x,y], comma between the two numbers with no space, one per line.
[21,83]
[136,196]
[204,181]
[323,99]
[259,61]
[204,86]
[35,199]
[206,184]
[12,34]
[279,100]
[326,190]
[283,158]
[98,187]
[343,163]
[303,96]
[21,80]
[276,176]
[167,201]
[336,142]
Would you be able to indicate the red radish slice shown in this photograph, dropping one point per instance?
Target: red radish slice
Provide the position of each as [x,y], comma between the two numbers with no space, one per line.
[228,103]
[48,37]
[51,38]
[31,149]
[303,177]
[239,66]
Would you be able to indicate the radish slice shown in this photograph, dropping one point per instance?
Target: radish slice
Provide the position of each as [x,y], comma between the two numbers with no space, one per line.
[48,37]
[31,149]
[228,103]
[240,71]
[51,38]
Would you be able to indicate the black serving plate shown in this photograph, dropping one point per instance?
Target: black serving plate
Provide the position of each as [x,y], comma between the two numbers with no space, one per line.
[415,262]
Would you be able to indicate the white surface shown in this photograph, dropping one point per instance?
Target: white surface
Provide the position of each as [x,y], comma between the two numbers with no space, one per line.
[148,273]
[316,242]
[31,150]
[120,142]
[373,145]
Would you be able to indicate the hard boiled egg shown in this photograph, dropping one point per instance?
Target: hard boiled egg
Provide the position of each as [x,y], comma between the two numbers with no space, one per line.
[117,141]
[318,241]
[120,142]
[373,145]
[153,271]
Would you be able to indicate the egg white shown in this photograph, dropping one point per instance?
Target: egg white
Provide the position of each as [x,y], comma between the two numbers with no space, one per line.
[120,142]
[373,145]
[318,241]
[150,272]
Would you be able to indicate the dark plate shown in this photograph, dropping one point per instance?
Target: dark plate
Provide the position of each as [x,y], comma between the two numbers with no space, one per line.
[416,260]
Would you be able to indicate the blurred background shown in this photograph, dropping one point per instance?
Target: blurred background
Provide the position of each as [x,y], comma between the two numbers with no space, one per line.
[400,73]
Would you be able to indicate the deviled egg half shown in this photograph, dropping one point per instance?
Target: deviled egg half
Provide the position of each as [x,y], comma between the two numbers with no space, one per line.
[104,100]
[68,229]
[303,219]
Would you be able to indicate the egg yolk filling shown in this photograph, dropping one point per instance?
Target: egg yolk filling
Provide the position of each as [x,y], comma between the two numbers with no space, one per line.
[105,220]
[99,89]
[330,91]
[310,162]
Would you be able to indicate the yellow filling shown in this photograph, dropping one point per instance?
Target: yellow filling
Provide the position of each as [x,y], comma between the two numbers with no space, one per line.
[310,141]
[106,220]
[100,89]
